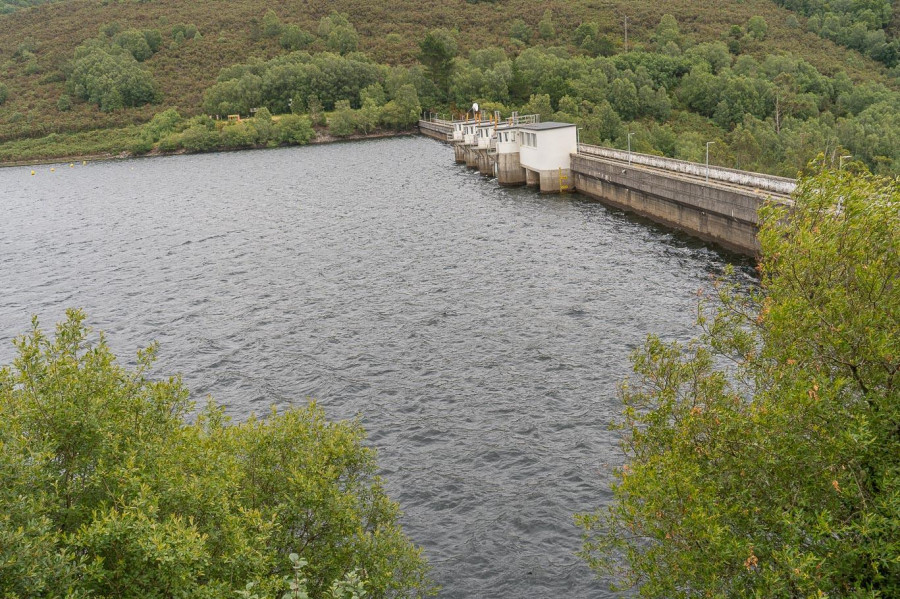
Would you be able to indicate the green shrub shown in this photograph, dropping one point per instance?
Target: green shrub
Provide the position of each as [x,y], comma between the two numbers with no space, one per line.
[294,38]
[316,110]
[198,138]
[162,124]
[339,33]
[263,125]
[142,145]
[64,103]
[343,121]
[271,24]
[153,38]
[546,29]
[368,116]
[757,27]
[763,459]
[135,42]
[109,491]
[294,129]
[111,29]
[238,135]
[110,77]
[172,142]
[182,32]
[519,30]
[403,111]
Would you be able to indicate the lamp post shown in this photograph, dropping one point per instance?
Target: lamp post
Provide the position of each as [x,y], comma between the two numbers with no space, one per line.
[841,161]
[629,147]
[709,143]
[578,136]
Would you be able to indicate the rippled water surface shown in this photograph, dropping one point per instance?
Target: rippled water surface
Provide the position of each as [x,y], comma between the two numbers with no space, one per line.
[479,332]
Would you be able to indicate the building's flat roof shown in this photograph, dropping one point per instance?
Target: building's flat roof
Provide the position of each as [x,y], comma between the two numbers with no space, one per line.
[545,126]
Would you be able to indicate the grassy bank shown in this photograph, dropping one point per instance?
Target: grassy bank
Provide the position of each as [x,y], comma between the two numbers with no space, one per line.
[106,143]
[110,144]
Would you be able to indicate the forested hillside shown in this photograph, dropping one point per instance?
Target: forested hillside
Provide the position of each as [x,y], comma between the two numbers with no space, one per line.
[772,86]
[865,26]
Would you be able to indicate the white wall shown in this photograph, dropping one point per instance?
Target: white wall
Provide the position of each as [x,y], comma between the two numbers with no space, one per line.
[471,133]
[552,151]
[486,132]
[507,147]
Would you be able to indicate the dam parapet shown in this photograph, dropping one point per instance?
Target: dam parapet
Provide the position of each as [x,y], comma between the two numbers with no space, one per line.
[763,182]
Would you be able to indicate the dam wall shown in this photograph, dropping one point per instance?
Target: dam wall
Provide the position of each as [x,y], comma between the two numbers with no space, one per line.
[713,203]
[725,214]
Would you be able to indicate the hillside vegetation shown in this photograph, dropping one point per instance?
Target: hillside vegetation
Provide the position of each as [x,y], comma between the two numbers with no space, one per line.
[756,78]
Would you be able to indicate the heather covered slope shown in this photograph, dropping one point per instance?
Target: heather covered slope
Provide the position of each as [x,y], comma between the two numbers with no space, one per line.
[38,45]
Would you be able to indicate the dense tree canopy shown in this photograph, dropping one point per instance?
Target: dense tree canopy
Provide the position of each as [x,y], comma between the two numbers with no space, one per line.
[779,475]
[109,75]
[438,49]
[862,25]
[783,105]
[108,491]
[276,83]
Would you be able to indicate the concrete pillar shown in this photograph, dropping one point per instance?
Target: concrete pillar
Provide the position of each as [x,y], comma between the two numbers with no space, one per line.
[485,165]
[532,178]
[458,153]
[550,180]
[509,170]
[471,157]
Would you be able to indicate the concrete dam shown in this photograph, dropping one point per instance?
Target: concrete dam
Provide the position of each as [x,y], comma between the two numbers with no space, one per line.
[716,204]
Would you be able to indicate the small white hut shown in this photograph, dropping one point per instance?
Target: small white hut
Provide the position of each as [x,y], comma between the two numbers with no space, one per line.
[545,151]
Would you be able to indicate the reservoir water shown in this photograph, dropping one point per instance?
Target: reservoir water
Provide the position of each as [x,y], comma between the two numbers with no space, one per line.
[478,332]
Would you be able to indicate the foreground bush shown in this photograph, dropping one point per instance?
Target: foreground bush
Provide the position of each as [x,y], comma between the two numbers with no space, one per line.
[108,492]
[778,476]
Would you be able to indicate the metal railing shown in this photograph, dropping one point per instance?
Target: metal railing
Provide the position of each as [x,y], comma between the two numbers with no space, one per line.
[525,119]
[434,117]
[515,119]
[781,185]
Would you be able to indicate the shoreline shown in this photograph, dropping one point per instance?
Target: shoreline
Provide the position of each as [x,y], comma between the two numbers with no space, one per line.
[320,139]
